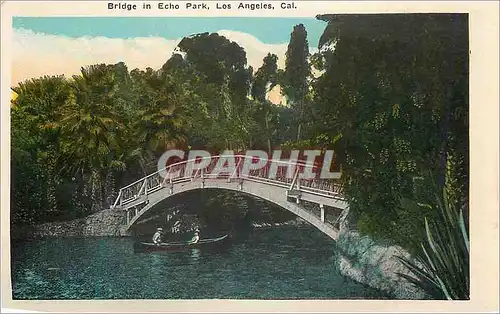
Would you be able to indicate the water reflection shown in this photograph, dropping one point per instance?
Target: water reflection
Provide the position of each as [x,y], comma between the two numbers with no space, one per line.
[158,263]
[195,255]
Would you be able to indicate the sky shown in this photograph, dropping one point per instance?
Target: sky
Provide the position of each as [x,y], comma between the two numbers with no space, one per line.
[62,45]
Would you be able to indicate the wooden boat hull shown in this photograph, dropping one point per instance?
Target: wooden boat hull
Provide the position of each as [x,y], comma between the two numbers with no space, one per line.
[176,246]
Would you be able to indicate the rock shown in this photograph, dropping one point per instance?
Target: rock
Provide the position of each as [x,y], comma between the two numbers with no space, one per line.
[374,264]
[103,223]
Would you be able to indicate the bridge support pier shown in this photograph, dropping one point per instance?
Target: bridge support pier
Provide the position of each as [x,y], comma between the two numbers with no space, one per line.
[322,207]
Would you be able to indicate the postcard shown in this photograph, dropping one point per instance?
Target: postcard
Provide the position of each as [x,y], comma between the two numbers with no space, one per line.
[249,156]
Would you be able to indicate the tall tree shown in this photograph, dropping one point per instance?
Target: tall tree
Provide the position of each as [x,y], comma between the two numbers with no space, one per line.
[297,73]
[264,80]
[221,66]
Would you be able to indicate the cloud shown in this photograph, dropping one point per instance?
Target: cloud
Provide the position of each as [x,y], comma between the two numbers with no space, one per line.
[37,54]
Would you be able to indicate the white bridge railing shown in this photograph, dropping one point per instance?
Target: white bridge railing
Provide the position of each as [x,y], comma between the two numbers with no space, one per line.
[294,179]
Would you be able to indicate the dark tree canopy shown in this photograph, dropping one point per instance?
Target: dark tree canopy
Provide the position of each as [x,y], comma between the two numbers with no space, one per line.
[395,91]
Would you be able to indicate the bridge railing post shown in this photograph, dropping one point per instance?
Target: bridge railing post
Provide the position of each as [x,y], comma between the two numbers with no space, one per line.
[202,178]
[298,178]
[118,200]
[121,198]
[142,188]
[171,186]
[193,177]
[235,173]
[166,177]
[295,178]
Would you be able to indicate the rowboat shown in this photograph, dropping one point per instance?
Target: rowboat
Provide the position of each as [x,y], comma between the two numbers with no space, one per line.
[148,246]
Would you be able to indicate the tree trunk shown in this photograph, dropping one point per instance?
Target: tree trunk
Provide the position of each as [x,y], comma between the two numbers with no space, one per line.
[103,180]
[301,117]
[103,193]
[51,182]
[268,137]
[298,131]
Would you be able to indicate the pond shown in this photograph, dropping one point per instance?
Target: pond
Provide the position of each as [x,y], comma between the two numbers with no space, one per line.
[286,262]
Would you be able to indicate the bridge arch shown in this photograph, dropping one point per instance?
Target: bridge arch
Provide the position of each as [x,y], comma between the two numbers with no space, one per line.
[283,190]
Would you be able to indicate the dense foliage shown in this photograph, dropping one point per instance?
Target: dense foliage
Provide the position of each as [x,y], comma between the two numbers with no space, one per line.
[75,141]
[394,95]
[389,93]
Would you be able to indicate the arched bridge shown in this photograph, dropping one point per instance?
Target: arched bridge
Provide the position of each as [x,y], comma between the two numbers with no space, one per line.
[284,183]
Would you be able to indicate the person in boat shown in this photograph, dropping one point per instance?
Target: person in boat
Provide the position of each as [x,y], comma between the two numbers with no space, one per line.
[157,237]
[196,237]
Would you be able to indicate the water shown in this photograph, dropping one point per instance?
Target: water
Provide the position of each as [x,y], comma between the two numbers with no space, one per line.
[276,263]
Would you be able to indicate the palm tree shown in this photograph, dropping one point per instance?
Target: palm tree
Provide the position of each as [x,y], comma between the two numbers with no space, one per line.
[157,125]
[34,115]
[91,127]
